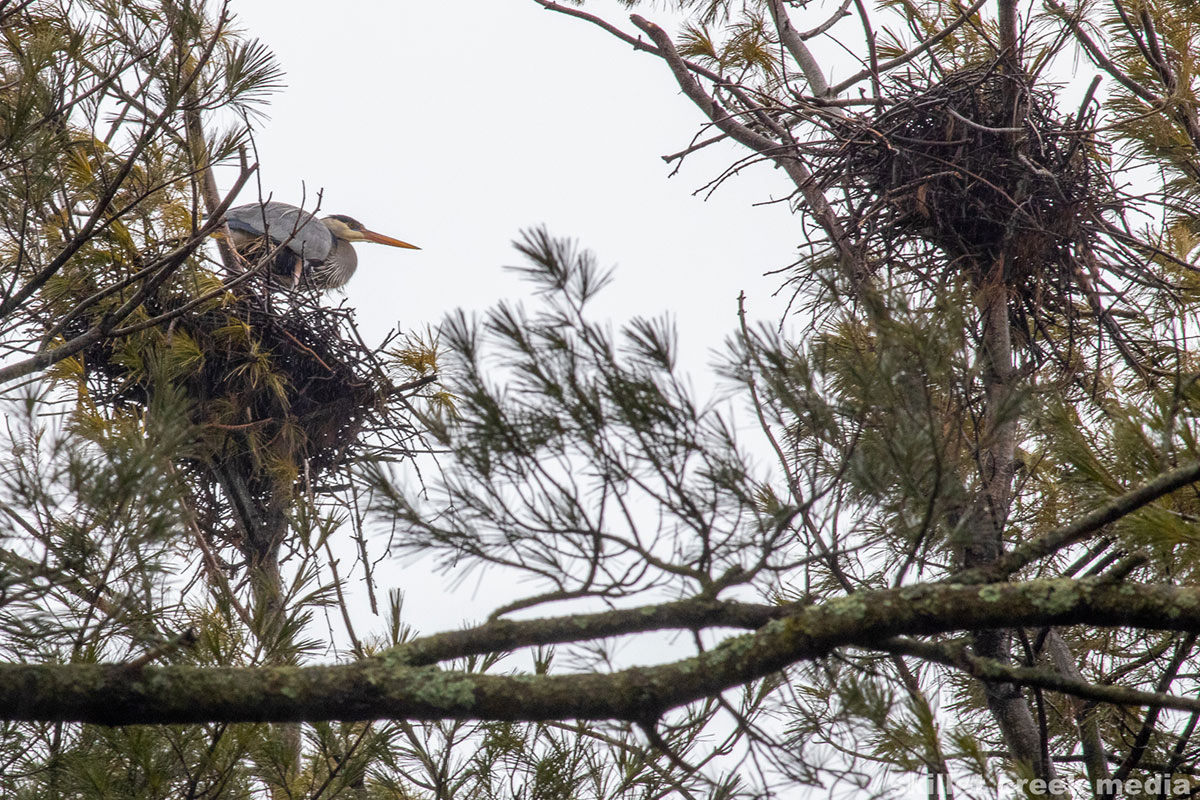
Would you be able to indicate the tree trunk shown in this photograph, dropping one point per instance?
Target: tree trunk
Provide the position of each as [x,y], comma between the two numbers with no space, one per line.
[985,531]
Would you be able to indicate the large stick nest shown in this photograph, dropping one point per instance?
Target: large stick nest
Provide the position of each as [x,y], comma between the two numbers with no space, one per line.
[282,394]
[980,166]
[978,175]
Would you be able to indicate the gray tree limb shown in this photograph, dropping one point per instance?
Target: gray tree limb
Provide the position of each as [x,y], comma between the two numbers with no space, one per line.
[387,686]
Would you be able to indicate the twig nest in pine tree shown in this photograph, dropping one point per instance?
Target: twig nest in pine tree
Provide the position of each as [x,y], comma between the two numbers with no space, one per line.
[982,167]
[279,395]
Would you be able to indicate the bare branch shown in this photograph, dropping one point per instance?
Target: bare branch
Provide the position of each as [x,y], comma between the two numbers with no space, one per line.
[781,153]
[911,54]
[957,655]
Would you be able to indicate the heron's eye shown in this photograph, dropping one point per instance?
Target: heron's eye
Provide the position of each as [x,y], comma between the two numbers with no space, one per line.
[349,222]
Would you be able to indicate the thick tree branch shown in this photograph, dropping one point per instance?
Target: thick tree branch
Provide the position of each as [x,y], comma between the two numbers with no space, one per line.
[503,634]
[696,614]
[795,45]
[984,536]
[197,145]
[388,687]
[1006,17]
[1091,741]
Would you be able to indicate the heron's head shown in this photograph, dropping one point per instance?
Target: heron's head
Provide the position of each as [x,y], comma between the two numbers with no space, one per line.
[351,230]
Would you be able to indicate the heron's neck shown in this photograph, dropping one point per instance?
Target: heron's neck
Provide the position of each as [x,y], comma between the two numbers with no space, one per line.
[340,265]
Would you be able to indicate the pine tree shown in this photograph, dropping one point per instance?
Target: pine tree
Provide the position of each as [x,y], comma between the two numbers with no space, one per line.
[970,557]
[1000,277]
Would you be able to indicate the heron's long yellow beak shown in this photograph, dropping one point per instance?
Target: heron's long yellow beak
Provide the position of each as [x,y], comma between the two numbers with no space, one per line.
[379,238]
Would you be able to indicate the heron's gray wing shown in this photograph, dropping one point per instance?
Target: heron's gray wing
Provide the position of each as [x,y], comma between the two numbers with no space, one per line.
[305,235]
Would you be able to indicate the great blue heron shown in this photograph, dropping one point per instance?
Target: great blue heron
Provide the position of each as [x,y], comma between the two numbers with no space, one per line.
[311,251]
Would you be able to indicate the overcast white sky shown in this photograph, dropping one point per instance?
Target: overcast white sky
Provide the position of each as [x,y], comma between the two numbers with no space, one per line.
[455,125]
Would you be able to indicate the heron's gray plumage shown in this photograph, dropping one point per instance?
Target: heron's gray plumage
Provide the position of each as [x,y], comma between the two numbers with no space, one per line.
[316,250]
[284,224]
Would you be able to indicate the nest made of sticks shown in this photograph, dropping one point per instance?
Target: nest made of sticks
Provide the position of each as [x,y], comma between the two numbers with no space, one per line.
[976,179]
[982,167]
[281,392]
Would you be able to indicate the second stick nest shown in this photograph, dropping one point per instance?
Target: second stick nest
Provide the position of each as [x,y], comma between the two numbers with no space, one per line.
[983,168]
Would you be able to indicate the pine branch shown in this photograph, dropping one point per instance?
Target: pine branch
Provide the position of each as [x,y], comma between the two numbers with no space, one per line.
[388,687]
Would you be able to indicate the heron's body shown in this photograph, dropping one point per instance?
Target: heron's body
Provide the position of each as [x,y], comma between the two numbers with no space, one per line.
[307,250]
